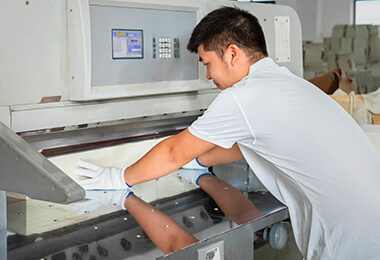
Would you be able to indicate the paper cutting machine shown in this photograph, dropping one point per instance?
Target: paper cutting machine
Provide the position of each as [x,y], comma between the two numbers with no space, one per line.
[105,80]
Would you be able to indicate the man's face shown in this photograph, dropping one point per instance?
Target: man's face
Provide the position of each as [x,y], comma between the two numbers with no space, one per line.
[218,69]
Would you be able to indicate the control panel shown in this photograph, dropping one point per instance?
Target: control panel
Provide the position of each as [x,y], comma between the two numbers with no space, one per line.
[132,46]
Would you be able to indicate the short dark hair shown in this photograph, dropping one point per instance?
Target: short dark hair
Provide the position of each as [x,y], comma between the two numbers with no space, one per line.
[225,26]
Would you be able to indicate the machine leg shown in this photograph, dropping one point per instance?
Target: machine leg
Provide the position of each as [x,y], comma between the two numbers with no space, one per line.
[3,225]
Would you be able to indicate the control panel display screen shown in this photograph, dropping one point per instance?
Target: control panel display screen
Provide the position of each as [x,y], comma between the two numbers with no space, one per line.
[127,44]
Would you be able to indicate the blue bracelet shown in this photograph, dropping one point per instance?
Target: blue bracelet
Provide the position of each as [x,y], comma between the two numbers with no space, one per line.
[130,193]
[206,173]
[196,159]
[123,170]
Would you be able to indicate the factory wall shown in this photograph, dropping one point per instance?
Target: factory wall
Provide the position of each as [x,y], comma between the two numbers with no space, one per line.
[318,17]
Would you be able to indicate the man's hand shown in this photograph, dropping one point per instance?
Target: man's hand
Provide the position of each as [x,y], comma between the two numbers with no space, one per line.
[101,178]
[97,198]
[190,176]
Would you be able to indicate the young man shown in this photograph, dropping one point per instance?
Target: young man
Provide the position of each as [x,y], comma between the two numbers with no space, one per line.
[306,150]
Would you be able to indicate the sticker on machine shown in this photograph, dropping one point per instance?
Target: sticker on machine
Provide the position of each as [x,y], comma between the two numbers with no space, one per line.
[282,38]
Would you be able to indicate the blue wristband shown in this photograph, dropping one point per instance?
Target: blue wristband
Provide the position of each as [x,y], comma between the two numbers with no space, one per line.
[123,170]
[196,159]
[206,173]
[130,193]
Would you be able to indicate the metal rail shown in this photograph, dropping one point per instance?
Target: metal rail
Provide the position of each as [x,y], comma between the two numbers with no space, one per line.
[24,170]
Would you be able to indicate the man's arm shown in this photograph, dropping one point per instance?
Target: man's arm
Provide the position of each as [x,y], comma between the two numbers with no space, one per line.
[176,151]
[167,156]
[231,201]
[219,155]
[165,233]
[164,158]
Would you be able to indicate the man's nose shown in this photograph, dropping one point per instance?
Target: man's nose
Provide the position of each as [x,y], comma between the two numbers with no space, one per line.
[208,75]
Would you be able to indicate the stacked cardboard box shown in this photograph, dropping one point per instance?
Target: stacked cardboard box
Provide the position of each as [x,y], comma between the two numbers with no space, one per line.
[374,54]
[374,45]
[313,60]
[353,48]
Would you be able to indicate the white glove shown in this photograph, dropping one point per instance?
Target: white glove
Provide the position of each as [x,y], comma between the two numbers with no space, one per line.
[190,176]
[97,198]
[194,164]
[101,178]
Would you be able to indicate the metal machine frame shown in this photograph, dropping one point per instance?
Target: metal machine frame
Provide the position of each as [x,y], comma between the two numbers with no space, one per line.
[59,111]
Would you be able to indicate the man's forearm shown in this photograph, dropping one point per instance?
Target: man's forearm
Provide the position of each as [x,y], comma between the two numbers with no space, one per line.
[158,162]
[231,201]
[166,157]
[161,229]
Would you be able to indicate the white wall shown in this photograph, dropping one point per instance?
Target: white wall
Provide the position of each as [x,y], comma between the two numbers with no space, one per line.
[318,17]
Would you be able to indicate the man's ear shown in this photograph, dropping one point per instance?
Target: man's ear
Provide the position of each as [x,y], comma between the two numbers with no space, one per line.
[233,52]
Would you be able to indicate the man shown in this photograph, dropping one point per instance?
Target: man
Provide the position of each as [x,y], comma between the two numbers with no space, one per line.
[306,150]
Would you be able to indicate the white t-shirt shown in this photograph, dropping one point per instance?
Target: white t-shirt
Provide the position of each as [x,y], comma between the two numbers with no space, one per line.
[309,153]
